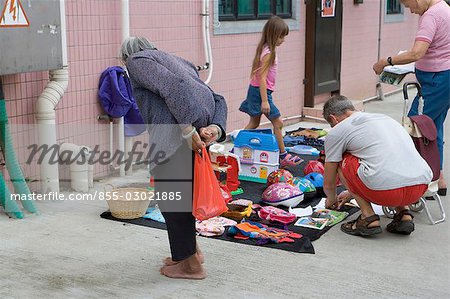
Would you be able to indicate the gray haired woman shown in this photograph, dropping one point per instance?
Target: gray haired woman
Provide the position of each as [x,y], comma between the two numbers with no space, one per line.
[183,115]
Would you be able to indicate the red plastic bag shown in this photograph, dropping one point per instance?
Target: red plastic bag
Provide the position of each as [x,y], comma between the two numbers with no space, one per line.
[208,200]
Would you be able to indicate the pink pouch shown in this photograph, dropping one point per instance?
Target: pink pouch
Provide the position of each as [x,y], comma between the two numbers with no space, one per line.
[276,214]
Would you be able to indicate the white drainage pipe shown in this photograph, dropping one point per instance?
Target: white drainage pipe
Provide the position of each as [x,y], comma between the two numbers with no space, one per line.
[125,28]
[45,112]
[207,40]
[81,172]
[45,118]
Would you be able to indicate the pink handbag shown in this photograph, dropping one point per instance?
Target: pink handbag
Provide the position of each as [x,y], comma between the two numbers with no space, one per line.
[275,214]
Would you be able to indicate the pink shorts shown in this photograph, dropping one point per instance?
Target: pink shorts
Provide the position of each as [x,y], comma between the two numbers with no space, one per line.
[392,198]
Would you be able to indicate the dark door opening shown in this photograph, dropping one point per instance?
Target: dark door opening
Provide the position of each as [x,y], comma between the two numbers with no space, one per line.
[323,48]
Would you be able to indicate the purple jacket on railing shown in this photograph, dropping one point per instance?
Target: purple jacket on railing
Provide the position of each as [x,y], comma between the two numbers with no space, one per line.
[116,96]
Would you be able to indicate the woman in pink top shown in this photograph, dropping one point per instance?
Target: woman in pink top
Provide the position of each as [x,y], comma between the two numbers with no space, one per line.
[431,52]
[259,96]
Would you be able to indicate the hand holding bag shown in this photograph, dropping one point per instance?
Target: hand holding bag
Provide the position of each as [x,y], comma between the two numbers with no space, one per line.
[208,200]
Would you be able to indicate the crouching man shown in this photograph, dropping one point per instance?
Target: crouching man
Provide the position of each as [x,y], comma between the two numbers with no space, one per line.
[377,162]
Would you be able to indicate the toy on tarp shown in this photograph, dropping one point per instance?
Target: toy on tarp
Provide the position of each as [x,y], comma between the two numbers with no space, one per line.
[227,163]
[304,185]
[318,166]
[277,215]
[280,176]
[213,227]
[316,179]
[313,166]
[258,153]
[282,194]
[303,150]
[238,209]
[263,233]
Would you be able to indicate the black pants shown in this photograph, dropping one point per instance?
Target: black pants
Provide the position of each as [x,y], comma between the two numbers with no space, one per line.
[175,179]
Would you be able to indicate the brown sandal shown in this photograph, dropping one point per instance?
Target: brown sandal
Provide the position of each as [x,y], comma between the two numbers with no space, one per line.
[361,228]
[399,226]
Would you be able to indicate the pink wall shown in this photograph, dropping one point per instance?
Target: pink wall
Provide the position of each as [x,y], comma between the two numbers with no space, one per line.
[94,36]
[360,46]
[175,27]
[232,79]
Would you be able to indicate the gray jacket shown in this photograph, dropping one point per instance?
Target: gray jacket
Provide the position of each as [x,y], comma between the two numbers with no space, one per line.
[169,92]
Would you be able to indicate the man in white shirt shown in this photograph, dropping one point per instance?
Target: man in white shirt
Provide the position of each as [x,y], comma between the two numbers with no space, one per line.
[377,161]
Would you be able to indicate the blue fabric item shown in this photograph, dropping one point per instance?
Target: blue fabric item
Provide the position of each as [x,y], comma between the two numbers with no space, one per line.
[155,214]
[303,150]
[116,97]
[252,104]
[436,96]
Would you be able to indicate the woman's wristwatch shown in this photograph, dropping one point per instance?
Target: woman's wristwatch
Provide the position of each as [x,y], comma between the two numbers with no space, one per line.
[389,60]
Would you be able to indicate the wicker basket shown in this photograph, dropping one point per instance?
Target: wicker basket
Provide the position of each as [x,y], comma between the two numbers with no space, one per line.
[128,203]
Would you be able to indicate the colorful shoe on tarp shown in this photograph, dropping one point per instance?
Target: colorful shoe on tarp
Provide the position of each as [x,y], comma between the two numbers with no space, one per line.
[290,160]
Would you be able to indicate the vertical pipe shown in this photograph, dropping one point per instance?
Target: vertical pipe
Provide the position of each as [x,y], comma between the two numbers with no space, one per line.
[125,18]
[128,147]
[125,10]
[380,17]
[380,93]
[63,33]
[207,39]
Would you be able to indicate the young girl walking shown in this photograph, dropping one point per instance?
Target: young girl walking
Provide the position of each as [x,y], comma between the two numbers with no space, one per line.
[259,96]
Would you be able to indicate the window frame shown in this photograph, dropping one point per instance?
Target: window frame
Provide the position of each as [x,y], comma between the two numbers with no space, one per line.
[231,26]
[255,16]
[394,17]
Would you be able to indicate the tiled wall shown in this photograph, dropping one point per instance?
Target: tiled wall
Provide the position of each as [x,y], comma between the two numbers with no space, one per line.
[94,36]
[360,45]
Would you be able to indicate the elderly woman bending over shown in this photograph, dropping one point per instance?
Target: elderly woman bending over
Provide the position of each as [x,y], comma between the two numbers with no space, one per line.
[183,115]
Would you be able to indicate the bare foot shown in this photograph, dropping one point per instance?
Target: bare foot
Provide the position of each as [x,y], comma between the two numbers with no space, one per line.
[190,268]
[169,262]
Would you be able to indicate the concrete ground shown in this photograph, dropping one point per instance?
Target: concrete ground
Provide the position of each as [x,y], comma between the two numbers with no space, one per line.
[68,251]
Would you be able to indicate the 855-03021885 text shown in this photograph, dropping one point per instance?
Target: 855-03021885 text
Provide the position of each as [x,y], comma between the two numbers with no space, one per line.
[100,195]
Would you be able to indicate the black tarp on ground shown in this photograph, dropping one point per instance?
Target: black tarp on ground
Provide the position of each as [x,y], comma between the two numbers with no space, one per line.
[253,192]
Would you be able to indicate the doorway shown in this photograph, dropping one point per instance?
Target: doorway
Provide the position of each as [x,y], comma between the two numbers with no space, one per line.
[323,48]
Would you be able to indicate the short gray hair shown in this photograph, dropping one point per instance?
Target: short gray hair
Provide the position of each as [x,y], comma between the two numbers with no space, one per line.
[133,45]
[337,105]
